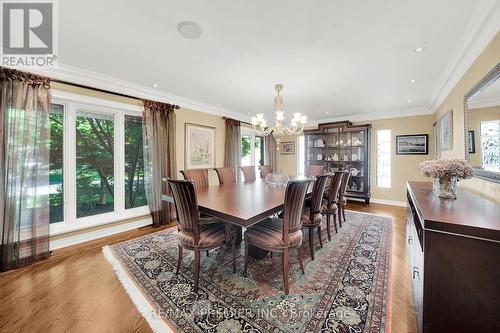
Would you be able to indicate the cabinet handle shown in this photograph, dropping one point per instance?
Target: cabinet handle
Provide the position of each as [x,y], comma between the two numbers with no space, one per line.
[416,273]
[409,239]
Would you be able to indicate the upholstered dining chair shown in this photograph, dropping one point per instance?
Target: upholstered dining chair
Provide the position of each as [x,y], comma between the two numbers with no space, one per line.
[312,214]
[265,170]
[331,206]
[248,173]
[193,233]
[285,234]
[198,176]
[342,195]
[226,175]
[314,170]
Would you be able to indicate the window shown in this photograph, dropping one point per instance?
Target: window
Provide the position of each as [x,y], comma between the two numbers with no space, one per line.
[135,195]
[301,155]
[96,162]
[252,148]
[56,192]
[259,150]
[384,158]
[490,144]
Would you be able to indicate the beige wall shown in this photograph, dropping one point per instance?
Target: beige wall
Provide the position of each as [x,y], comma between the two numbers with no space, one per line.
[454,101]
[476,116]
[403,167]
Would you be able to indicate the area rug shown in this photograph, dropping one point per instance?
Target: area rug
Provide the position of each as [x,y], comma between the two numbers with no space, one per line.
[345,289]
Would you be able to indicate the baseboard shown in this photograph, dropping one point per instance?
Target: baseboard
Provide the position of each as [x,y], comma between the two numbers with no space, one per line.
[95,234]
[383,202]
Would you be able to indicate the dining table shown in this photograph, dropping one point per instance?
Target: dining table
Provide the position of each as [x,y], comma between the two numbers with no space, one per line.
[242,204]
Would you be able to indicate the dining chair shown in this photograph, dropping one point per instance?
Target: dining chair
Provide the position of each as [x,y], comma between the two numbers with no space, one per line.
[342,195]
[198,176]
[265,170]
[226,175]
[281,235]
[314,170]
[331,206]
[312,215]
[248,173]
[194,234]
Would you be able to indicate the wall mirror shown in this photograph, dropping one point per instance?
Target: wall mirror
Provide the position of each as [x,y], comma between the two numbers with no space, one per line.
[482,126]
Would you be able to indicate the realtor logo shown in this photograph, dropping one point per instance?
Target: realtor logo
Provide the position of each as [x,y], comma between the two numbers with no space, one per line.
[28,33]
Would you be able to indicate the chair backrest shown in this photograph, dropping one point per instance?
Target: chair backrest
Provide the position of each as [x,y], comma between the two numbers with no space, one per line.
[198,176]
[333,191]
[314,170]
[265,170]
[186,206]
[345,181]
[248,173]
[295,195]
[317,195]
[226,175]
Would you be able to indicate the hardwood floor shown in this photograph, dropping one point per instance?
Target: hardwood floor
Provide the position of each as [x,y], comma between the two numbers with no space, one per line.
[75,290]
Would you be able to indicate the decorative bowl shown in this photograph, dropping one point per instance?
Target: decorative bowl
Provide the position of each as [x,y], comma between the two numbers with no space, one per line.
[277,179]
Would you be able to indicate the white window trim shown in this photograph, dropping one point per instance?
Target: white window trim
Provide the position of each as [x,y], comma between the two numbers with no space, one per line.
[72,104]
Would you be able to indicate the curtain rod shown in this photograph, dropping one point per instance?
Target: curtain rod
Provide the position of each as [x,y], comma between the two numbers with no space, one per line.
[241,121]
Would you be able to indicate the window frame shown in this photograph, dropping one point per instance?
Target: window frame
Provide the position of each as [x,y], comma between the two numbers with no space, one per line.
[73,103]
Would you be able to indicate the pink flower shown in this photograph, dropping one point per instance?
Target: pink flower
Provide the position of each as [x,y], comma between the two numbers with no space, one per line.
[446,169]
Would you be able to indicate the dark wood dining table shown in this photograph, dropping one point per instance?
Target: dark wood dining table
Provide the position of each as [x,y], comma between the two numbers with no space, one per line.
[241,204]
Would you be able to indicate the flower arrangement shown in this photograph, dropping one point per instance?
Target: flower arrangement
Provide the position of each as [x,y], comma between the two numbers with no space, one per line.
[446,169]
[446,173]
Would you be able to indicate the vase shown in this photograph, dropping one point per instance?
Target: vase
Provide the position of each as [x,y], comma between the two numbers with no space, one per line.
[445,187]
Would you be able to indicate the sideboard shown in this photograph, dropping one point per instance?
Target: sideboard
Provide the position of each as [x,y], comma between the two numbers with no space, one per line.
[454,258]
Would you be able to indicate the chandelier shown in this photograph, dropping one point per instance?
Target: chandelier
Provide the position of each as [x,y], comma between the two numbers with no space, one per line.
[279,129]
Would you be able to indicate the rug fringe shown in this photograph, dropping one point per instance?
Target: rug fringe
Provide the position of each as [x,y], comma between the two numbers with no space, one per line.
[141,303]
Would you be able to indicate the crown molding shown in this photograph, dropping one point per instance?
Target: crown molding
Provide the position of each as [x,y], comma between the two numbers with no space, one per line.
[92,79]
[478,33]
[377,116]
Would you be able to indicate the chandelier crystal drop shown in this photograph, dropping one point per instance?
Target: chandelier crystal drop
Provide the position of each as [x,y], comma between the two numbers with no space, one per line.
[279,130]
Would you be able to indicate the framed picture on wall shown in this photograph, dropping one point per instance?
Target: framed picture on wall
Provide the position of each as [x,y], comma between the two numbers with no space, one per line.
[446,130]
[416,144]
[288,148]
[200,146]
[472,142]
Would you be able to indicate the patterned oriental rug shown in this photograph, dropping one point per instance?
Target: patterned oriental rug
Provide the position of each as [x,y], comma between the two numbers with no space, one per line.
[345,289]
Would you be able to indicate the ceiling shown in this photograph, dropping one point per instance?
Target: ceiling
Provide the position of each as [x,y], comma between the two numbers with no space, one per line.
[336,58]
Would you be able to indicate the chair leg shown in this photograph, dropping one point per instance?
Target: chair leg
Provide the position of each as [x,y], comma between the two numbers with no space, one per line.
[196,270]
[233,252]
[335,223]
[285,271]
[339,213]
[179,259]
[208,253]
[319,236]
[328,227]
[301,263]
[245,265]
[311,243]
[343,213]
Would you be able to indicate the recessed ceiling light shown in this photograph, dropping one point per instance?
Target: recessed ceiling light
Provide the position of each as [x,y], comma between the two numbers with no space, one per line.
[419,49]
[327,112]
[155,85]
[413,81]
[218,104]
[409,100]
[189,29]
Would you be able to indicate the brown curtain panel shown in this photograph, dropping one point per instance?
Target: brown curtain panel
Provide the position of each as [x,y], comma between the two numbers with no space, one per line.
[158,121]
[232,147]
[270,152]
[24,168]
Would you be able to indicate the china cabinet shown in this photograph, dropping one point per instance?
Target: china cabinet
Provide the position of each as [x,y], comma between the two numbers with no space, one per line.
[342,146]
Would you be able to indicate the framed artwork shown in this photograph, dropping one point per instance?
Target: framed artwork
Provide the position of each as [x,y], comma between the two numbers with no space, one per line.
[288,148]
[472,142]
[415,144]
[446,130]
[200,146]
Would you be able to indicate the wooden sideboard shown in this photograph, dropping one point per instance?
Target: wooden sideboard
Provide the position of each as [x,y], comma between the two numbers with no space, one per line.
[454,256]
